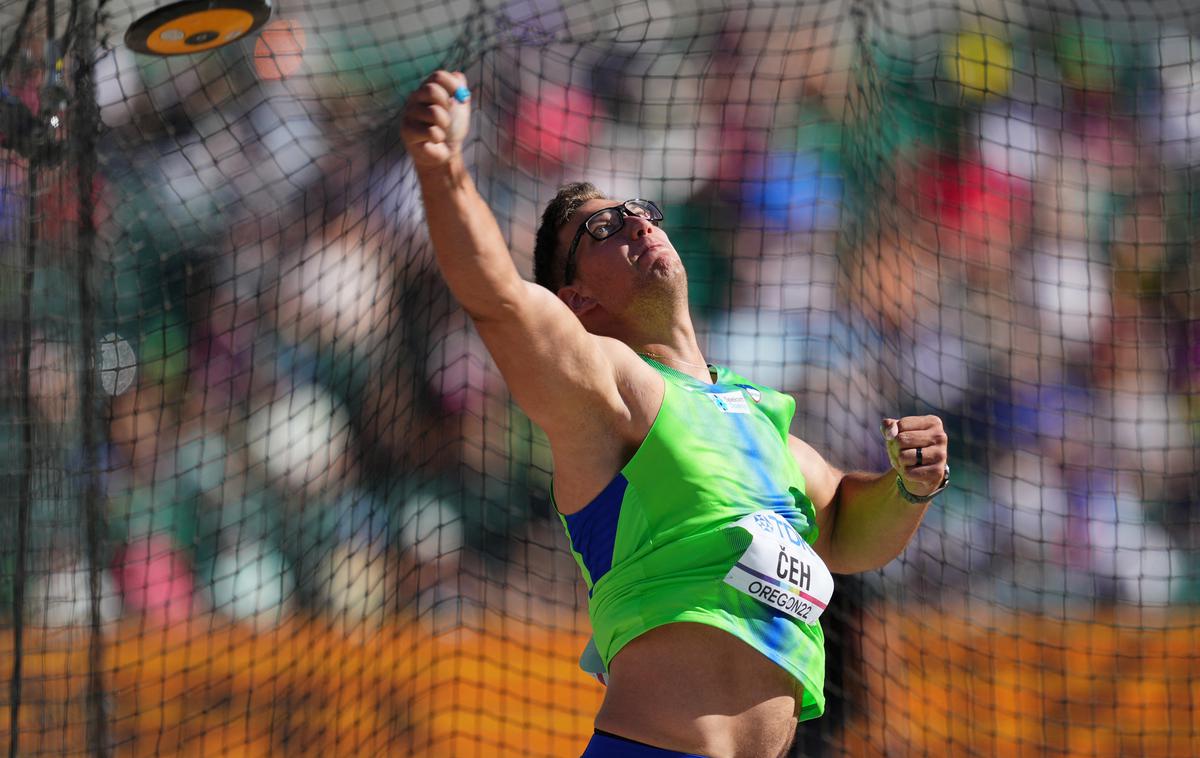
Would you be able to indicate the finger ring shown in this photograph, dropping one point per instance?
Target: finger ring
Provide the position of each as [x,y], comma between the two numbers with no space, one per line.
[920,457]
[462,94]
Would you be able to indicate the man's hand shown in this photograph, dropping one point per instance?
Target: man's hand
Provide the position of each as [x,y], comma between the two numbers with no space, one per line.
[435,122]
[917,448]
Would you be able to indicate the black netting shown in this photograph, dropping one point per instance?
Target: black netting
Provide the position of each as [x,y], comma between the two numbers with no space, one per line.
[264,492]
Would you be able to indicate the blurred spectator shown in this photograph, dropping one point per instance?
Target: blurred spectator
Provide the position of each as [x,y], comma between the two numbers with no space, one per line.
[1175,114]
[251,583]
[338,291]
[971,220]
[302,437]
[62,597]
[1029,522]
[979,215]
[155,577]
[54,379]
[1136,558]
[552,127]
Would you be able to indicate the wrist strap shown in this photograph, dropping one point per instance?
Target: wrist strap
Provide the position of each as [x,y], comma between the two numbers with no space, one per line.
[922,499]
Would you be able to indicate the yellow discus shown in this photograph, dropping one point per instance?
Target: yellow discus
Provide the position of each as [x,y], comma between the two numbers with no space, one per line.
[193,26]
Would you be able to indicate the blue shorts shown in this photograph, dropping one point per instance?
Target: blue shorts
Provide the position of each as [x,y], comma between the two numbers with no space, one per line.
[605,745]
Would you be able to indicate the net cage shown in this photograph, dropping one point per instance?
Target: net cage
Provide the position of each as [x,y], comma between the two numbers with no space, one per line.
[265,493]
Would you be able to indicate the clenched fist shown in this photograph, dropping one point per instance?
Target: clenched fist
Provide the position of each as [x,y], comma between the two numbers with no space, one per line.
[436,118]
[917,448]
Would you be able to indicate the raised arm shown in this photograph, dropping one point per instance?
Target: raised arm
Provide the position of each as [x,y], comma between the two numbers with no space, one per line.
[559,374]
[864,519]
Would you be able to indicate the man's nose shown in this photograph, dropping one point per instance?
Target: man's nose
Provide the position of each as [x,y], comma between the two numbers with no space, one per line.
[639,226]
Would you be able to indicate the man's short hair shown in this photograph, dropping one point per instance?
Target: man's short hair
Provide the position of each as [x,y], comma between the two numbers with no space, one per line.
[547,268]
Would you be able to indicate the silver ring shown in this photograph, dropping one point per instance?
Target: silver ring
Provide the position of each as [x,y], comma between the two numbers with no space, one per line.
[920,457]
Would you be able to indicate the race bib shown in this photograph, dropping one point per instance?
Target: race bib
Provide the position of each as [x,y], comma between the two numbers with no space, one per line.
[780,569]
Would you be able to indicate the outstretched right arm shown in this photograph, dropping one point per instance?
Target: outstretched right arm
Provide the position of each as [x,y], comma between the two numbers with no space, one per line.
[560,375]
[471,252]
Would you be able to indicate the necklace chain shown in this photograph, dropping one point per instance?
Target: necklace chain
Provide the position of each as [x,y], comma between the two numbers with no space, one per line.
[660,358]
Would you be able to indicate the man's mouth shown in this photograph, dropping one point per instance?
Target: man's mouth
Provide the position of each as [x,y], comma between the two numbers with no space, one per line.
[648,250]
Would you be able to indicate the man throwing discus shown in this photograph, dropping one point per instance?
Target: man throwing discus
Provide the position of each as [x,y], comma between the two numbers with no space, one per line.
[706,533]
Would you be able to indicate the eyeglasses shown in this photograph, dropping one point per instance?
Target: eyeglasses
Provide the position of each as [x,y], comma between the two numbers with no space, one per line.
[606,222]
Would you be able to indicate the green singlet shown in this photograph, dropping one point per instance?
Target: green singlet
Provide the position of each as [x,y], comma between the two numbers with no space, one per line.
[655,546]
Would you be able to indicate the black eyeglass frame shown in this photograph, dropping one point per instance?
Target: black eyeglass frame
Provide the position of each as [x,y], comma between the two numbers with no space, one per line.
[655,217]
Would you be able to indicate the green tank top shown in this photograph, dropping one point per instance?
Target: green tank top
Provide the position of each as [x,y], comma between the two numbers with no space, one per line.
[655,545]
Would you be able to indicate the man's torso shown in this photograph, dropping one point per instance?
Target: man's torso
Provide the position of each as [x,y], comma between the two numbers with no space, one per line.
[685,686]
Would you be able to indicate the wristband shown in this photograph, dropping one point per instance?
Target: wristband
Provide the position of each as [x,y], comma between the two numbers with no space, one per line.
[922,499]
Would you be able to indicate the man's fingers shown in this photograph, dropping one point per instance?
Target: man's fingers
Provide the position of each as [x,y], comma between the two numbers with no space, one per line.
[439,88]
[430,114]
[415,131]
[431,93]
[932,456]
[435,123]
[437,134]
[917,423]
[923,438]
[447,80]
[425,139]
[890,428]
[918,449]
[425,123]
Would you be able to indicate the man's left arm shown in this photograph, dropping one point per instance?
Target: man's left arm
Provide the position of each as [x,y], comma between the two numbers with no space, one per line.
[864,519]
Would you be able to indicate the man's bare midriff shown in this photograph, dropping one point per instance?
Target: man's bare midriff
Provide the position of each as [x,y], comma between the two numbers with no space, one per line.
[697,689]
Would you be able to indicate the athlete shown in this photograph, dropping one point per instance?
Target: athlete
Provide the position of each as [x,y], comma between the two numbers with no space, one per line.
[705,532]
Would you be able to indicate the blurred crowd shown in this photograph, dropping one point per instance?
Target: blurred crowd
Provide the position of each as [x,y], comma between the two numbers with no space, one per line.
[987,221]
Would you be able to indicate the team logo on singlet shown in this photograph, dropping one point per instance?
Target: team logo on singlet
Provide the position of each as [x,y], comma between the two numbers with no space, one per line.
[753,392]
[731,402]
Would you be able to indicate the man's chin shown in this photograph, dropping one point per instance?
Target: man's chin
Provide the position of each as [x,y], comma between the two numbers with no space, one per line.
[666,284]
[665,268]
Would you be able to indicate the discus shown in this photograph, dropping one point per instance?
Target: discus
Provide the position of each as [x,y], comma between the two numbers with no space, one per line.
[193,26]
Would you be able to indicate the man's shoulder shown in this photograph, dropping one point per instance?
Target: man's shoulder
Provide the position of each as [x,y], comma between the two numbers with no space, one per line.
[640,386]
[627,363]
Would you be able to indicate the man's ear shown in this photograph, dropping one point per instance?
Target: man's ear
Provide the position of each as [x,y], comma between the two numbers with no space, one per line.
[578,302]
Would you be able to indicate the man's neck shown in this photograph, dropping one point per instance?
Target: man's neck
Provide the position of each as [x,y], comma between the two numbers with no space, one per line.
[664,335]
[681,353]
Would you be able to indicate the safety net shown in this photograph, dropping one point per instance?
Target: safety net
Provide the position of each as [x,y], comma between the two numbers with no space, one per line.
[263,491]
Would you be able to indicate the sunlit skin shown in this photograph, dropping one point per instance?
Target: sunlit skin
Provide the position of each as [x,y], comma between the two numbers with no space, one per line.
[571,361]
[631,286]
